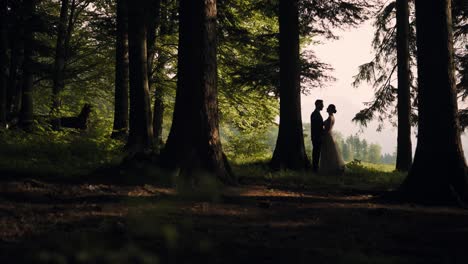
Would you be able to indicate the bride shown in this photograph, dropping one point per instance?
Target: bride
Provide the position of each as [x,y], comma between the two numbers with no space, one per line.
[331,162]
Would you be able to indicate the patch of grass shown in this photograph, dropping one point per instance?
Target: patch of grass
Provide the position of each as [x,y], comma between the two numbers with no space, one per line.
[65,153]
[357,175]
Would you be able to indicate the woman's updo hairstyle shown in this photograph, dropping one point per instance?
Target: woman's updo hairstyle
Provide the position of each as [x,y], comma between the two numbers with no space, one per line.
[332,108]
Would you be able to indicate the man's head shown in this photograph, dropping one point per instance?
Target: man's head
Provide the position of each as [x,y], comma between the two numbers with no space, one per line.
[319,104]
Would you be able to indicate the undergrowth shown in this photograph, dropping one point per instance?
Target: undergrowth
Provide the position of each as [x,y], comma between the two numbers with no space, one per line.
[65,153]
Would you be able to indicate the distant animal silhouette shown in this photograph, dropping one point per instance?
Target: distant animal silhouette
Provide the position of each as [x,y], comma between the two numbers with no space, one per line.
[79,122]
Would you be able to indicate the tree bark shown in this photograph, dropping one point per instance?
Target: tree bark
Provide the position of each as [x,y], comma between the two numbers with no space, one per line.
[290,150]
[158,108]
[438,175]
[59,64]
[194,144]
[153,20]
[120,129]
[14,92]
[3,62]
[140,131]
[26,113]
[404,157]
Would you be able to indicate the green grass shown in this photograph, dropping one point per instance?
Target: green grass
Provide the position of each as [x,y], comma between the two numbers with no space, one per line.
[357,175]
[379,167]
[65,153]
[69,153]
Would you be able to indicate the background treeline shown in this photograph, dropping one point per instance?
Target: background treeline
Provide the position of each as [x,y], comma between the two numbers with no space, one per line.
[259,146]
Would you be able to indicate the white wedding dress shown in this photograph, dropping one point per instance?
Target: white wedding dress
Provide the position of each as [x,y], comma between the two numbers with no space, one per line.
[331,162]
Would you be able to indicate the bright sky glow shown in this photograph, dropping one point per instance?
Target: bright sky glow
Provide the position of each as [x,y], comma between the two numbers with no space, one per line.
[345,55]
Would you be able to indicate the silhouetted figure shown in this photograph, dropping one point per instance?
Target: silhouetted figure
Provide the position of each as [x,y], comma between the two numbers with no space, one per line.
[80,121]
[331,162]
[316,129]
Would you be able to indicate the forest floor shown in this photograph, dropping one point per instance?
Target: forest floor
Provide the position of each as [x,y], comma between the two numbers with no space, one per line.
[99,221]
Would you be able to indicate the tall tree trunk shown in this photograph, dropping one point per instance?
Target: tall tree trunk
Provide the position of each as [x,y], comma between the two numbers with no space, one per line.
[120,129]
[154,20]
[14,92]
[26,113]
[194,144]
[438,174]
[69,32]
[158,111]
[59,65]
[404,158]
[290,150]
[140,133]
[152,24]
[3,62]
[158,108]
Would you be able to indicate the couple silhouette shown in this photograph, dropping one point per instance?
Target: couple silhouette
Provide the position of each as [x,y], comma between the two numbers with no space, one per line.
[326,157]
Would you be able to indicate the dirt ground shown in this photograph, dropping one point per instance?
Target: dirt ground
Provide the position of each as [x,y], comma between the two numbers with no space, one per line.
[54,222]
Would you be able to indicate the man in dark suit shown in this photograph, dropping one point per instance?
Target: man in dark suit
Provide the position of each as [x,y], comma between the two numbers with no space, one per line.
[316,127]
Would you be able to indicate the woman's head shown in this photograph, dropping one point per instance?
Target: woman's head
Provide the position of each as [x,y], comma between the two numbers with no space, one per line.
[331,109]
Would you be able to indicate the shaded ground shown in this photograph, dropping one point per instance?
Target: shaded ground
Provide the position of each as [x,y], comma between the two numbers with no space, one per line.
[57,222]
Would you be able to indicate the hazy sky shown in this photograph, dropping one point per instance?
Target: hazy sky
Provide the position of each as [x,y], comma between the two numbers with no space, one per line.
[345,55]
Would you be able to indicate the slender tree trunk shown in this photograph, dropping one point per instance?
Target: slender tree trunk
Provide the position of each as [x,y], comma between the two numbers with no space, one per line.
[154,20]
[290,150]
[158,108]
[3,62]
[158,114]
[26,113]
[69,33]
[438,174]
[140,133]
[14,92]
[152,24]
[194,144]
[404,100]
[59,65]
[120,129]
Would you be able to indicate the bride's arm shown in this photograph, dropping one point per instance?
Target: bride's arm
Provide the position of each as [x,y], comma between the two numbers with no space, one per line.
[327,126]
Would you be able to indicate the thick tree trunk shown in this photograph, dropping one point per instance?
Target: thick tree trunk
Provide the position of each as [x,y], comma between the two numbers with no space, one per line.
[3,62]
[404,158]
[438,174]
[140,131]
[290,150]
[26,113]
[59,64]
[194,144]
[120,128]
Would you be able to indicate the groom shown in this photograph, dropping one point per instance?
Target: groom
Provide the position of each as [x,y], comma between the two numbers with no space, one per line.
[316,127]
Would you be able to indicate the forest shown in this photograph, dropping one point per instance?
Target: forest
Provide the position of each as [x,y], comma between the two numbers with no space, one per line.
[171,131]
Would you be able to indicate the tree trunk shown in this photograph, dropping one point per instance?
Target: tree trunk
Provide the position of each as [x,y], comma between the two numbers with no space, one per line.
[438,174]
[140,130]
[26,113]
[404,100]
[158,108]
[120,129]
[158,114]
[152,24]
[290,150]
[14,92]
[3,62]
[154,20]
[194,144]
[59,64]
[69,33]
